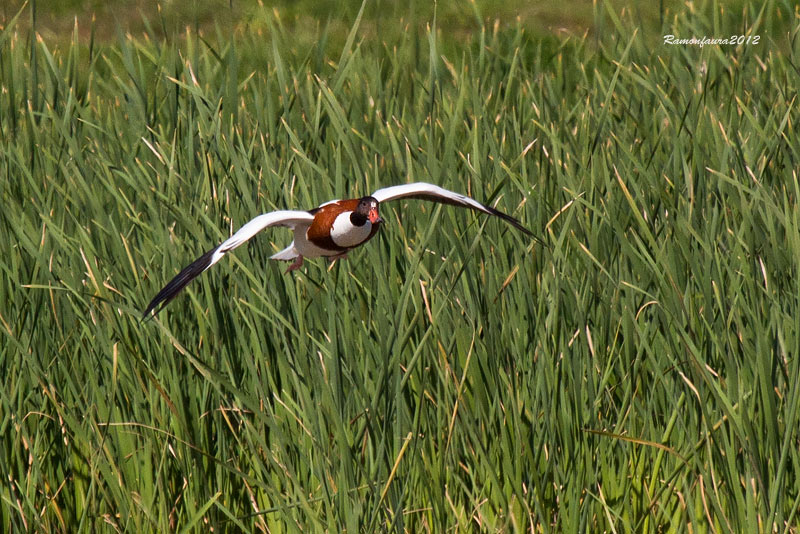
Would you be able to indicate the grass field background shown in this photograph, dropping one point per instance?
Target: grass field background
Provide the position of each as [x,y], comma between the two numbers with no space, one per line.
[635,371]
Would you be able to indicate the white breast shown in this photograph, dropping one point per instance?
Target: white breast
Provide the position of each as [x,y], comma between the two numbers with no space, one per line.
[346,234]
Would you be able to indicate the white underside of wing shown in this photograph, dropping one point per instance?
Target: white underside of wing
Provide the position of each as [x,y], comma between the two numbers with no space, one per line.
[421,188]
[292,219]
[299,221]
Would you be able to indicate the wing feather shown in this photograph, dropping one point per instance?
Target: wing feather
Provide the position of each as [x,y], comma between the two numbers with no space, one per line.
[193,270]
[434,193]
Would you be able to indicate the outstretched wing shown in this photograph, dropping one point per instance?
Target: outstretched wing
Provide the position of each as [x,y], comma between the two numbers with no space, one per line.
[435,193]
[190,272]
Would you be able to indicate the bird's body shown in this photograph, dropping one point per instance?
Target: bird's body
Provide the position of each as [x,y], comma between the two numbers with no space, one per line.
[331,230]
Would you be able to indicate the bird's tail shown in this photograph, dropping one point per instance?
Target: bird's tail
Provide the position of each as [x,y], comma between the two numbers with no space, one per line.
[287,254]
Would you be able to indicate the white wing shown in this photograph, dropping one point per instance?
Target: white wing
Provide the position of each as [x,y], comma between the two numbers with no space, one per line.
[434,193]
[193,270]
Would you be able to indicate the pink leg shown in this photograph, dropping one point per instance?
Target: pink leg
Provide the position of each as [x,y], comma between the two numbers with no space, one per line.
[297,263]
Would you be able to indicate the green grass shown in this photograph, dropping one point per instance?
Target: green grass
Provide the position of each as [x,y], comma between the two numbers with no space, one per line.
[637,372]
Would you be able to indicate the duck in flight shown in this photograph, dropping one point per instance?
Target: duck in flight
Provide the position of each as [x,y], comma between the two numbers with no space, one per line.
[331,230]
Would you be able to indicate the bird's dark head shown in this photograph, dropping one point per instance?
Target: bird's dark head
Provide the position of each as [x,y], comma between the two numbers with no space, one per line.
[368,209]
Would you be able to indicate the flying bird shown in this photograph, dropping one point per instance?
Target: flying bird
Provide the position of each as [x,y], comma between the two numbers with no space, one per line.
[331,230]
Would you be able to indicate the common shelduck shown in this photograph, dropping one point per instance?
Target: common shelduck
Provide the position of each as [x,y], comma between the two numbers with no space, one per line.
[331,230]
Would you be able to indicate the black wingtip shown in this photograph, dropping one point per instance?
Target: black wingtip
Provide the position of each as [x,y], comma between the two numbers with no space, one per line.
[510,220]
[515,223]
[479,207]
[181,280]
